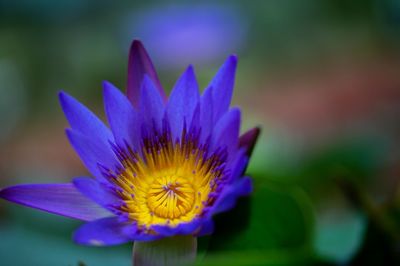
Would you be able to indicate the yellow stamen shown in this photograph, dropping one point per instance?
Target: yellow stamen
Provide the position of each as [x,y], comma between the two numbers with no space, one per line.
[168,184]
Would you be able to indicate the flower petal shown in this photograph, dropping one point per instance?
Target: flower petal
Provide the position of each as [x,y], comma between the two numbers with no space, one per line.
[182,101]
[97,192]
[195,122]
[226,132]
[180,229]
[61,199]
[249,139]
[227,200]
[151,104]
[140,65]
[207,228]
[238,165]
[111,231]
[206,114]
[121,115]
[102,232]
[222,85]
[93,153]
[82,120]
[244,186]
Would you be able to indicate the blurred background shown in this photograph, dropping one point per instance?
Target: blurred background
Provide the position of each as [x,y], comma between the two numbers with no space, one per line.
[322,79]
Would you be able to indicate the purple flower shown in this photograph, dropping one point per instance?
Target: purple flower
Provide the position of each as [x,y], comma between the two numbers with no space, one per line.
[178,34]
[163,168]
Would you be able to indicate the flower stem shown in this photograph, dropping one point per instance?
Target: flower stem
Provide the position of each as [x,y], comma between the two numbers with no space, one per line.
[177,250]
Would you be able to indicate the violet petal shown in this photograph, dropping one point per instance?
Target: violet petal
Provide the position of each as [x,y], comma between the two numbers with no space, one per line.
[140,65]
[61,199]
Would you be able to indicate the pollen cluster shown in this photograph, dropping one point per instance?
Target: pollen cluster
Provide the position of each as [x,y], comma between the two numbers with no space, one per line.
[168,183]
[171,196]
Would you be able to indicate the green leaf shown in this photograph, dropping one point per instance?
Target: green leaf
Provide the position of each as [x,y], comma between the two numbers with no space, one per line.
[275,223]
[339,234]
[31,237]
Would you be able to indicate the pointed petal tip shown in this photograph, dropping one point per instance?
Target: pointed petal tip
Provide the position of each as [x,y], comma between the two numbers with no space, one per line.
[60,199]
[140,64]
[255,131]
[233,58]
[108,87]
[190,69]
[222,87]
[6,193]
[136,48]
[148,83]
[67,102]
[188,75]
[136,44]
[230,65]
[248,140]
[76,181]
[3,193]
[105,83]
[231,61]
[63,97]
[60,93]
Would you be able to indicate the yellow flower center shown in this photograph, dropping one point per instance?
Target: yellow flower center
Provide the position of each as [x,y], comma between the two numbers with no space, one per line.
[168,183]
[170,197]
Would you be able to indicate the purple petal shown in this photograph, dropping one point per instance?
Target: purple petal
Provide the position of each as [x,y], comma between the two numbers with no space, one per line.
[222,85]
[137,234]
[226,132]
[121,115]
[93,153]
[238,164]
[180,229]
[97,192]
[195,122]
[182,102]
[82,120]
[61,199]
[227,200]
[151,104]
[140,65]
[244,186]
[206,114]
[102,232]
[249,139]
[207,228]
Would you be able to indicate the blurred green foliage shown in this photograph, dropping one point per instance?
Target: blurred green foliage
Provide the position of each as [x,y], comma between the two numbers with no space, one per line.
[274,226]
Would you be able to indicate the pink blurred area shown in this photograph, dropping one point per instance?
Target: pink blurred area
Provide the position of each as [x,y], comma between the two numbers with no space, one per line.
[38,154]
[332,100]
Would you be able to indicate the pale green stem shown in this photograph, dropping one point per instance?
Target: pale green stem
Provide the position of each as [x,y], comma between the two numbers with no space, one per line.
[172,251]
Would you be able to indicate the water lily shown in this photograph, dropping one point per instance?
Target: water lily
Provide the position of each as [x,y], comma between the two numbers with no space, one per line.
[161,170]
